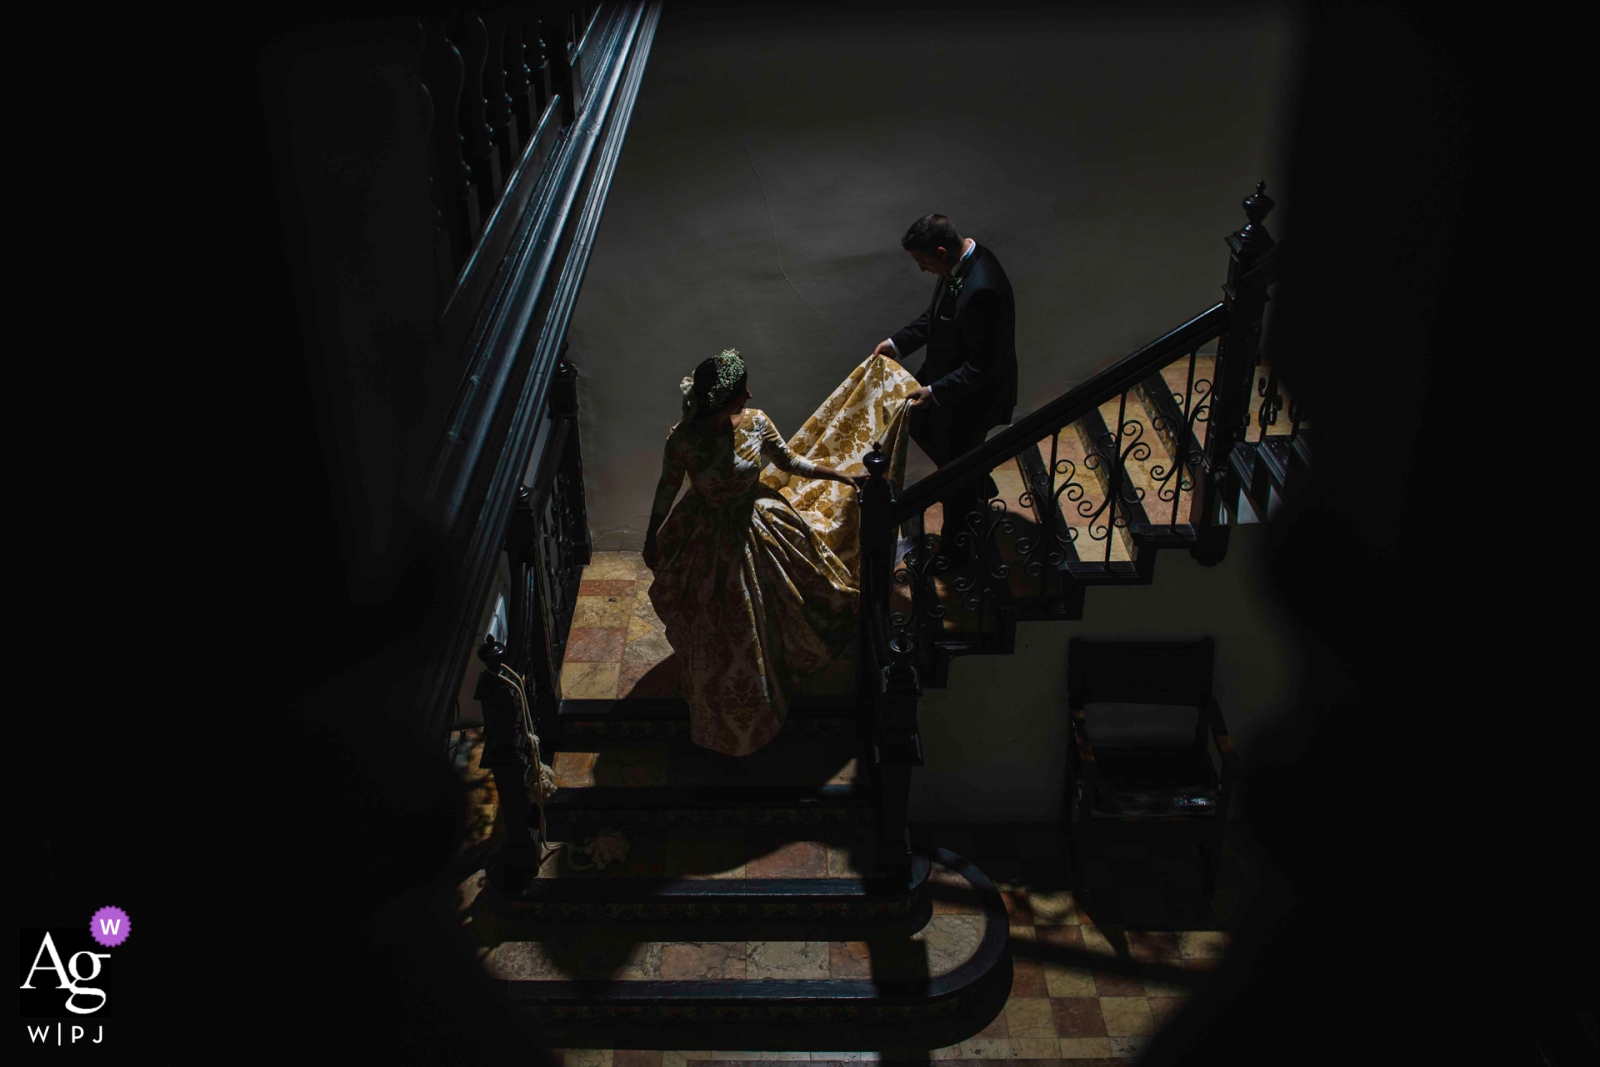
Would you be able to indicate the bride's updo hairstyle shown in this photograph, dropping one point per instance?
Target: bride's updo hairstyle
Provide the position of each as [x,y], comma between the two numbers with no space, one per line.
[718,380]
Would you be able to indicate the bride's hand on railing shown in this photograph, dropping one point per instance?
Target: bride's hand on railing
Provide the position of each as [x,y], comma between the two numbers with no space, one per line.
[857,480]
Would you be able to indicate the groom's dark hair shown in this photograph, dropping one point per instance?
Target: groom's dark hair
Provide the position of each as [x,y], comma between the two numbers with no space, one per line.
[929,233]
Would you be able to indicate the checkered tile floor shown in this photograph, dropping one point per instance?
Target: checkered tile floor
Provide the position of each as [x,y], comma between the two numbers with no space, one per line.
[617,648]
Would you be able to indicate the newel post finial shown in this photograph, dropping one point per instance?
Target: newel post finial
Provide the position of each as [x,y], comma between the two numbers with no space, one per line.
[875,461]
[491,653]
[1254,238]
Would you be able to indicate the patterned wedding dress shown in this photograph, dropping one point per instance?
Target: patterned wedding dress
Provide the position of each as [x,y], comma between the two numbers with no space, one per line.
[758,569]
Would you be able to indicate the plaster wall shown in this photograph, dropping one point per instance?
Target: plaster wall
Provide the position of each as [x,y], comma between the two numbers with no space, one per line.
[776,155]
[995,741]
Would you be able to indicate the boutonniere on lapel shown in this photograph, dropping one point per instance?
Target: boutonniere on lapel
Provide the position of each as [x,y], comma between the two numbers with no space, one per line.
[956,284]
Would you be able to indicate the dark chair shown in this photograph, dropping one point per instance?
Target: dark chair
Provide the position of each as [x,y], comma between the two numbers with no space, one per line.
[1138,767]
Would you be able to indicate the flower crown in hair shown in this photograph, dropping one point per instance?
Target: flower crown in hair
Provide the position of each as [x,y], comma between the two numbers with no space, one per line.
[730,368]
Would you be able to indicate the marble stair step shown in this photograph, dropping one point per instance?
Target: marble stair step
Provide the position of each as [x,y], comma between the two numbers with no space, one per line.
[572,811]
[632,985]
[734,852]
[594,723]
[721,875]
[791,759]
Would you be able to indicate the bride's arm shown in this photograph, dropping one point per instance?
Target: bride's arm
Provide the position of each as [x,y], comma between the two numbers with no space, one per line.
[777,451]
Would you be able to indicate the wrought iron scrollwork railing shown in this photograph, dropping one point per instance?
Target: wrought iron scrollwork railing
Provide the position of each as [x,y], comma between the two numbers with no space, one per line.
[1083,482]
[1181,426]
[1135,458]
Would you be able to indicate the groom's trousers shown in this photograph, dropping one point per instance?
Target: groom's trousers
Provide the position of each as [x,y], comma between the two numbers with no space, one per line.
[945,439]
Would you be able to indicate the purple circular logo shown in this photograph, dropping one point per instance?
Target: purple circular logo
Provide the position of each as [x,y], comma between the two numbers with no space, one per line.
[109,926]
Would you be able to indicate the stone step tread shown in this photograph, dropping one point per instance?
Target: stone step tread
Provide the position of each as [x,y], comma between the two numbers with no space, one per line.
[577,952]
[718,854]
[628,798]
[942,976]
[672,708]
[604,953]
[792,762]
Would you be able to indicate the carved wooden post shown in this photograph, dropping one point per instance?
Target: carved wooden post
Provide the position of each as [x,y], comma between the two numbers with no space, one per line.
[478,135]
[530,645]
[519,79]
[440,68]
[497,89]
[564,405]
[895,752]
[508,755]
[896,743]
[1238,352]
[877,536]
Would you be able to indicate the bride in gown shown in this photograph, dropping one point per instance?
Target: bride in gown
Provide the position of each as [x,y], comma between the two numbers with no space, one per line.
[757,568]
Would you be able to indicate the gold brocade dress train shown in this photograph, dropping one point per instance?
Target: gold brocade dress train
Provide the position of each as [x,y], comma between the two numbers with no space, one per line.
[758,567]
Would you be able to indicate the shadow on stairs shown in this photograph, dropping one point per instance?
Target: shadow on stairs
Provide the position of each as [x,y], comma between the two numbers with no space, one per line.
[740,908]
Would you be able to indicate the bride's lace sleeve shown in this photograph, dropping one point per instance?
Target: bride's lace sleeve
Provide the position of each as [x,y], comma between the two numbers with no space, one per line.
[673,466]
[777,452]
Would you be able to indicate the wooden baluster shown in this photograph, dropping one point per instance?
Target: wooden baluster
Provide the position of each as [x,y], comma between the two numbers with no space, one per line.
[575,60]
[562,80]
[440,68]
[508,755]
[519,79]
[1238,353]
[530,645]
[473,40]
[497,90]
[538,54]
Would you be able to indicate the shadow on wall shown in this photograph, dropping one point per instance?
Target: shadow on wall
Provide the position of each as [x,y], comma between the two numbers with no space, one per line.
[777,155]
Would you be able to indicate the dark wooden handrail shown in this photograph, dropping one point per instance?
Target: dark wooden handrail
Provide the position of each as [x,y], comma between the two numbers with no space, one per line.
[513,349]
[1063,410]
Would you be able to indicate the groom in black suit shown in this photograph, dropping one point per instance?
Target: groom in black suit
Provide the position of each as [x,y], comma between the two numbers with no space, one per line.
[968,382]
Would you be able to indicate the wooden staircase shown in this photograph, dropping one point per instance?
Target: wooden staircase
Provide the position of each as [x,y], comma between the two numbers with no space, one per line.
[761,897]
[981,602]
[753,903]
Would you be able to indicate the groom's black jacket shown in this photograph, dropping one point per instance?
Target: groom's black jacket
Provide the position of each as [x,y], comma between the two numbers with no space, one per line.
[972,347]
